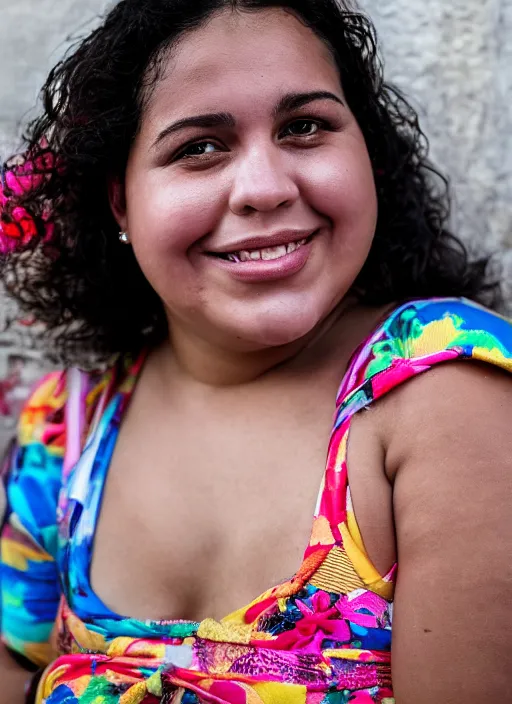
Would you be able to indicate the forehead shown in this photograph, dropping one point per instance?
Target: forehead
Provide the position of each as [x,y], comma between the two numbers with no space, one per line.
[240,56]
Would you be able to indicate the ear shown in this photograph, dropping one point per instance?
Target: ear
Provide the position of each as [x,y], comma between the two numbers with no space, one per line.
[117,200]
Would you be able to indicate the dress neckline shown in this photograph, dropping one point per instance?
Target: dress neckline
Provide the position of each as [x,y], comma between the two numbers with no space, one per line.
[90,475]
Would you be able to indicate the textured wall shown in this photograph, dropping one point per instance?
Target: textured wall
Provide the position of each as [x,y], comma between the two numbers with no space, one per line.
[454,58]
[33,36]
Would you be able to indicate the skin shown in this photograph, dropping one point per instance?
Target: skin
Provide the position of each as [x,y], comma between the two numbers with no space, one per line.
[13,679]
[447,448]
[250,372]
[256,177]
[272,352]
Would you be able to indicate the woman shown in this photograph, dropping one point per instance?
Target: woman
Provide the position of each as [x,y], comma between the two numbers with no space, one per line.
[279,235]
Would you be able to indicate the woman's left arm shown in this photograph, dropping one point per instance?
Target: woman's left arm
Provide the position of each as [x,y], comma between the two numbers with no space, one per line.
[450,456]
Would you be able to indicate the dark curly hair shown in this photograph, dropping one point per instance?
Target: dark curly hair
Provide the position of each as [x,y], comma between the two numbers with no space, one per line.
[89,291]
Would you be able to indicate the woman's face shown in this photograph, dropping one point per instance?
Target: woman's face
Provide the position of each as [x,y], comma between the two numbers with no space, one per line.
[249,196]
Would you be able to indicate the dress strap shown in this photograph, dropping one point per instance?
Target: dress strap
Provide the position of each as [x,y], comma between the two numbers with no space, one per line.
[75,416]
[415,337]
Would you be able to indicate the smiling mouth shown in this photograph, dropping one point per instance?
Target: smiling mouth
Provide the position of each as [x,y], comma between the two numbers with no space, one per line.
[262,254]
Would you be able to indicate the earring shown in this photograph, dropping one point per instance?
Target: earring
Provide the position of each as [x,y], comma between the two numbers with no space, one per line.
[124,238]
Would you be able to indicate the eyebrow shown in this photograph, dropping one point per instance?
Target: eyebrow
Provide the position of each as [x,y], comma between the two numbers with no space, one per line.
[294,101]
[214,119]
[289,102]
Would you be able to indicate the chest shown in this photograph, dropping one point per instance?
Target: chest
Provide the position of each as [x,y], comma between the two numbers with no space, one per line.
[202,512]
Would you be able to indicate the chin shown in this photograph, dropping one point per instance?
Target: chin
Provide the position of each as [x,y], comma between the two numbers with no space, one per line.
[277,328]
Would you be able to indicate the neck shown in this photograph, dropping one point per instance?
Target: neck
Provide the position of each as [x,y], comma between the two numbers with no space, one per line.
[216,366]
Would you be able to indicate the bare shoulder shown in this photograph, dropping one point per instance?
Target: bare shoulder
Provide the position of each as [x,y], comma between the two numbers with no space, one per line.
[449,456]
[462,408]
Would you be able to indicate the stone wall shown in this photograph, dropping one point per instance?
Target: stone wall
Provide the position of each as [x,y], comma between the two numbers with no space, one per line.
[454,59]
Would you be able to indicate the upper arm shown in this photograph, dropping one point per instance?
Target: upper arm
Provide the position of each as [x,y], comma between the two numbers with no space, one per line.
[29,577]
[450,452]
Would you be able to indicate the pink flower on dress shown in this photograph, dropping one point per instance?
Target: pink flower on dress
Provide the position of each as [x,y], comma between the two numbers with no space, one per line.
[350,609]
[319,623]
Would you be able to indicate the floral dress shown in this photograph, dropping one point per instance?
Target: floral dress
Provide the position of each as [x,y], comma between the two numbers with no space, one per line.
[322,637]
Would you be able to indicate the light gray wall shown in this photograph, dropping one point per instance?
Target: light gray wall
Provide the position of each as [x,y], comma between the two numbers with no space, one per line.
[454,57]
[33,36]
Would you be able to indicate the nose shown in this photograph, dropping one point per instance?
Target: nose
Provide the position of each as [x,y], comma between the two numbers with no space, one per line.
[261,182]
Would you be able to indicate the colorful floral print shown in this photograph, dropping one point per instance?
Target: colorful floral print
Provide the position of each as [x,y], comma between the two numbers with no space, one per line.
[17,226]
[323,637]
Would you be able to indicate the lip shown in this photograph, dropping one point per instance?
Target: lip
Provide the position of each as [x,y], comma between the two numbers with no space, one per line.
[261,270]
[263,241]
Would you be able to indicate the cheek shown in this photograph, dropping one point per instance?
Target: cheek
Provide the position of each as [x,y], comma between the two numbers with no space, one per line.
[342,187]
[165,219]
[172,214]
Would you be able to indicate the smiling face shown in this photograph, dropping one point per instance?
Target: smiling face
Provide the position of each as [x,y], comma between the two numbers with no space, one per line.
[250,199]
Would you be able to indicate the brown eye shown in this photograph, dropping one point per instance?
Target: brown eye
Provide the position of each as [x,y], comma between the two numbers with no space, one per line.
[197,149]
[303,128]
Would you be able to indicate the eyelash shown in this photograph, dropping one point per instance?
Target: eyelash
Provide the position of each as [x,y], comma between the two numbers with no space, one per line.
[322,124]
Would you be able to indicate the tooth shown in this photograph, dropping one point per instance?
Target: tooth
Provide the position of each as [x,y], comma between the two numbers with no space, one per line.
[255,254]
[274,252]
[244,256]
[292,247]
[233,258]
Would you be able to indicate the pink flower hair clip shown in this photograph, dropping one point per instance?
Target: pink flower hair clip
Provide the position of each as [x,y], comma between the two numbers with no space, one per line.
[17,226]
